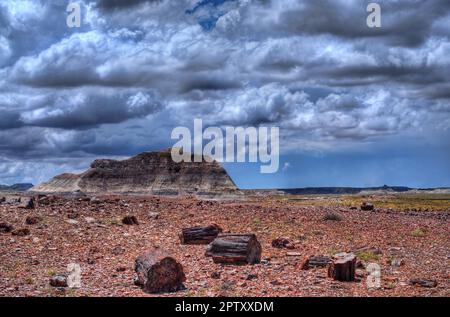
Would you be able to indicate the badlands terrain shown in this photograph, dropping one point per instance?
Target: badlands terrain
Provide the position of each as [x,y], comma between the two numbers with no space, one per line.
[103,219]
[410,244]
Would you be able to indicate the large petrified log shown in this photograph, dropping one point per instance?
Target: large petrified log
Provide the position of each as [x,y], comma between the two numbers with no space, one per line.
[200,235]
[159,273]
[235,249]
[342,267]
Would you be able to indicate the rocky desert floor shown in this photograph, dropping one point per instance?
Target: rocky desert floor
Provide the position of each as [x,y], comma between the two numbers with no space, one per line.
[89,231]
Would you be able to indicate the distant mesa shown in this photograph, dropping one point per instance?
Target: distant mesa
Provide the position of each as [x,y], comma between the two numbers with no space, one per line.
[21,187]
[152,173]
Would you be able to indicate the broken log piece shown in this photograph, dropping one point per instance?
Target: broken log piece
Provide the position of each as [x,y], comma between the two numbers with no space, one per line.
[200,235]
[367,206]
[5,227]
[342,267]
[235,249]
[423,282]
[316,261]
[130,220]
[158,272]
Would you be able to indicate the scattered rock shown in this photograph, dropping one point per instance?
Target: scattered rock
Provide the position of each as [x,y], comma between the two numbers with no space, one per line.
[72,221]
[21,232]
[5,227]
[118,250]
[89,220]
[121,269]
[157,273]
[73,215]
[316,261]
[95,201]
[251,277]
[293,254]
[33,220]
[130,220]
[27,203]
[423,283]
[215,275]
[59,280]
[367,206]
[280,243]
[153,215]
[397,262]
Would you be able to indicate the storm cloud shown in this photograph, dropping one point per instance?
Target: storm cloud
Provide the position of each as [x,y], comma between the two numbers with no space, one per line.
[135,69]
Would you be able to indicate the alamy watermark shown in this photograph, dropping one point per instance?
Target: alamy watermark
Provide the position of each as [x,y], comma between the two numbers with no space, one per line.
[262,145]
[74,15]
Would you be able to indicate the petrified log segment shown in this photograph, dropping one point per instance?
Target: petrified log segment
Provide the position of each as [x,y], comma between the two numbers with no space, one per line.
[200,235]
[5,227]
[316,261]
[342,267]
[367,206]
[130,220]
[158,273]
[235,249]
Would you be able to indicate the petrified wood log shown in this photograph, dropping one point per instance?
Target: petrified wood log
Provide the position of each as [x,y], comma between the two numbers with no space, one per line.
[5,227]
[367,206]
[342,267]
[316,261]
[235,249]
[158,273]
[130,220]
[200,235]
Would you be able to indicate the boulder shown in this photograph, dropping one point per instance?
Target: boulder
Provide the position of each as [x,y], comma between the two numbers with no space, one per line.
[157,272]
[27,203]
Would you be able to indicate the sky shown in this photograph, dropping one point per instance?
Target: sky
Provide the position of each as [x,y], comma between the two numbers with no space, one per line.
[356,106]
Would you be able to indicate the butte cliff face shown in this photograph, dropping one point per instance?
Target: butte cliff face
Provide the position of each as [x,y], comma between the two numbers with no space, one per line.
[153,173]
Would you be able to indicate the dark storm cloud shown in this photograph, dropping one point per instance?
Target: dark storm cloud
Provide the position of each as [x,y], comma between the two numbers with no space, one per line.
[122,4]
[135,69]
[405,22]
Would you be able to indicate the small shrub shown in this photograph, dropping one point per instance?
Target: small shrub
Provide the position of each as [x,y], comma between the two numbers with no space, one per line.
[368,256]
[332,217]
[29,281]
[418,233]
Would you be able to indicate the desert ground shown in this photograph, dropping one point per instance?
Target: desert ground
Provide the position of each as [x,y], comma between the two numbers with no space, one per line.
[407,235]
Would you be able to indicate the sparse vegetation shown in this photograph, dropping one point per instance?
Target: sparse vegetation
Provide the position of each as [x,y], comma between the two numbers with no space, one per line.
[368,256]
[399,201]
[332,217]
[418,233]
